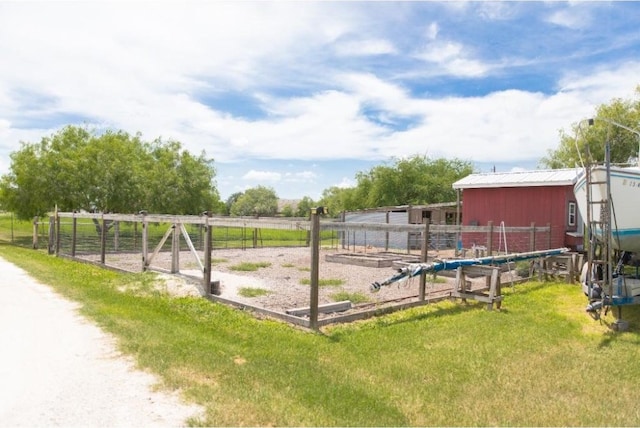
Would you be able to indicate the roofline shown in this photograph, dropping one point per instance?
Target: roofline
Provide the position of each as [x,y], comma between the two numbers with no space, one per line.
[569,182]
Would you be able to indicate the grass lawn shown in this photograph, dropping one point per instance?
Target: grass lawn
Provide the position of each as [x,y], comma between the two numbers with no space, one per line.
[539,361]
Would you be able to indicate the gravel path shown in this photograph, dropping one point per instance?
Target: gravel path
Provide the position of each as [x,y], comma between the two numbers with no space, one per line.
[58,369]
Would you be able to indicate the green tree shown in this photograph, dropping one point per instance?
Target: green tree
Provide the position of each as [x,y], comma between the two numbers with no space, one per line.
[304,207]
[257,201]
[287,211]
[415,180]
[231,200]
[338,199]
[177,181]
[411,181]
[586,141]
[75,169]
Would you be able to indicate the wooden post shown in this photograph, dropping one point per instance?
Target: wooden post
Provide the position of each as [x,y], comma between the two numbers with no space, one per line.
[344,237]
[55,222]
[315,267]
[494,289]
[408,233]
[74,235]
[116,235]
[175,249]
[386,233]
[135,235]
[461,282]
[51,249]
[103,241]
[145,242]
[35,233]
[423,259]
[207,254]
[549,236]
[458,235]
[570,269]
[532,237]
[490,239]
[255,237]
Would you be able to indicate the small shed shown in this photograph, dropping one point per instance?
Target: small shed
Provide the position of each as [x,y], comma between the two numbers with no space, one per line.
[439,213]
[442,213]
[523,198]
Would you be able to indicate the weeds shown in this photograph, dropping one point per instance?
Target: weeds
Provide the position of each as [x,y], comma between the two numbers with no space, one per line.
[249,267]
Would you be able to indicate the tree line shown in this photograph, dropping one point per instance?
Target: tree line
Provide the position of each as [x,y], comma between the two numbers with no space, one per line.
[77,169]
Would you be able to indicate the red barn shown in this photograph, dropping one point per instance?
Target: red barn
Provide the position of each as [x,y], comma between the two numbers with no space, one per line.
[518,199]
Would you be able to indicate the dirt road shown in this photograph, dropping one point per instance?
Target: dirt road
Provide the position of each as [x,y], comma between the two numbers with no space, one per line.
[58,369]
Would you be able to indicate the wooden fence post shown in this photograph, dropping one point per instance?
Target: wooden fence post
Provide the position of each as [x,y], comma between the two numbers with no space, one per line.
[145,242]
[532,237]
[55,221]
[116,235]
[207,254]
[175,249]
[34,239]
[103,241]
[52,235]
[490,239]
[344,237]
[386,233]
[74,235]
[315,267]
[423,259]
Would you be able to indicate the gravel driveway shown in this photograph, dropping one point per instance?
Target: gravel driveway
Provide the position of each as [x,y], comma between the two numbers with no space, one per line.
[58,369]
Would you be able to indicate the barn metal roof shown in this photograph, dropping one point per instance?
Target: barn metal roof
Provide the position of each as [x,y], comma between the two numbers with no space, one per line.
[538,177]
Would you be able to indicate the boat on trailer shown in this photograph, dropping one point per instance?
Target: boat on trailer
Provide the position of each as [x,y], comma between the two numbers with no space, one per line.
[625,196]
[612,193]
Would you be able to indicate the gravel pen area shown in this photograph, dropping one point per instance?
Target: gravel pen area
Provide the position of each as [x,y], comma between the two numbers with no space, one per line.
[281,278]
[58,369]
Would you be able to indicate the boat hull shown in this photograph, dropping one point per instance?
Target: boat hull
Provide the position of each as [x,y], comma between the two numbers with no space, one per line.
[625,195]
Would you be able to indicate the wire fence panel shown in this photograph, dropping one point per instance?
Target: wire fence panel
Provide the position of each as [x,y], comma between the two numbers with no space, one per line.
[21,232]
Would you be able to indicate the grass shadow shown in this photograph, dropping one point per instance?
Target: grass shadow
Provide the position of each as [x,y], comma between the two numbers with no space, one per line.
[427,312]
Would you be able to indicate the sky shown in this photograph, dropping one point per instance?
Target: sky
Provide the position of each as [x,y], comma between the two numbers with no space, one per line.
[300,96]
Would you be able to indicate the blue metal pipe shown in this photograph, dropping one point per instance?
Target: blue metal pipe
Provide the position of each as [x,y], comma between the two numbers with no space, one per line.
[415,269]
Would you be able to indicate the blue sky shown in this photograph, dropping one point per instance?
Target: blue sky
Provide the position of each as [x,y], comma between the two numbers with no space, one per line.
[301,96]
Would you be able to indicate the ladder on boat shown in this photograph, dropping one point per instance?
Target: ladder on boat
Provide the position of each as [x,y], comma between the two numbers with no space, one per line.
[600,262]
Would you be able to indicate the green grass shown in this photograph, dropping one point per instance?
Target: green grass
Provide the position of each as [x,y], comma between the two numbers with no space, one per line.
[434,279]
[328,282]
[540,361]
[249,266]
[252,292]
[352,297]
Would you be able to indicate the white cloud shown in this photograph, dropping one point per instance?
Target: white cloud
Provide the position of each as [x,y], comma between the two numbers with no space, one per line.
[432,31]
[452,58]
[497,10]
[302,176]
[365,48]
[573,17]
[254,175]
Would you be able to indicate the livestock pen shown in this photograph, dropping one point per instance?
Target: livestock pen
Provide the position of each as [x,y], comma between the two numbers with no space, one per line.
[308,272]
